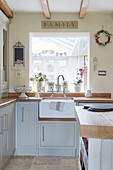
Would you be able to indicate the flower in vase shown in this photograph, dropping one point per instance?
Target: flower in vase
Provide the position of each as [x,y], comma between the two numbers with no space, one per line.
[40,75]
[44,77]
[32,79]
[81,71]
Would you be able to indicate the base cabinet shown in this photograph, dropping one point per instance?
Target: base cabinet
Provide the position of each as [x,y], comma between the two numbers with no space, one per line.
[100,155]
[0,147]
[5,153]
[7,133]
[27,120]
[57,139]
[11,129]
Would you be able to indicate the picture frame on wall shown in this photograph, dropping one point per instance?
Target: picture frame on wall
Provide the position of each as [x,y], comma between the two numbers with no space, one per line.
[19,54]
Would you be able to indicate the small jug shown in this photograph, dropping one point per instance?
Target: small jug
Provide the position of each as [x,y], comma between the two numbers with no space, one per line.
[88,93]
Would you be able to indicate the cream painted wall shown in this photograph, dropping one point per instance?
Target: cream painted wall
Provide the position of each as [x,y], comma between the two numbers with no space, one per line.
[23,23]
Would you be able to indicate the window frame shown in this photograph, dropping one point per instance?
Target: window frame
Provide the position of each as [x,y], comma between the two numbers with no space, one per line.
[55,60]
[61,34]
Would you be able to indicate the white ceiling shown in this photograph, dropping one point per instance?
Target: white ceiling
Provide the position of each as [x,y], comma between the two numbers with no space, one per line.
[65,6]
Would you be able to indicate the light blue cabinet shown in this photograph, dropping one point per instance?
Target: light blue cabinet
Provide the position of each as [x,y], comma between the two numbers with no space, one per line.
[5,136]
[0,145]
[11,128]
[27,122]
[57,138]
[7,133]
[58,134]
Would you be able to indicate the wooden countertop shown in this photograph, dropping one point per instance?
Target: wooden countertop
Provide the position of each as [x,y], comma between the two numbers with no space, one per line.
[56,119]
[95,124]
[29,99]
[7,101]
[92,100]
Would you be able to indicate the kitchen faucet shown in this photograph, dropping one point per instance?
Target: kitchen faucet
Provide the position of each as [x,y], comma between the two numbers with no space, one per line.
[52,92]
[58,81]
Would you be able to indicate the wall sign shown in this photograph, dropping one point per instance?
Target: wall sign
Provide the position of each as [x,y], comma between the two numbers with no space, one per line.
[59,24]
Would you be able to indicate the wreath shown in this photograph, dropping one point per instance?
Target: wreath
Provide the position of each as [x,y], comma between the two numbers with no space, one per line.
[107,34]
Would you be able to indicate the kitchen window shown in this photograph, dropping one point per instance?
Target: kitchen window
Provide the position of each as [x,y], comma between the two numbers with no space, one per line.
[51,66]
[56,55]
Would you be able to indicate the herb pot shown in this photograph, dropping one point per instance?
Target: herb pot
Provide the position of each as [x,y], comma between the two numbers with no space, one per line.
[77,87]
[39,85]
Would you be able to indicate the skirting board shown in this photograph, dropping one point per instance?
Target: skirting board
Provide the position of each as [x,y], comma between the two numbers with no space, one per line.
[26,152]
[57,152]
[45,152]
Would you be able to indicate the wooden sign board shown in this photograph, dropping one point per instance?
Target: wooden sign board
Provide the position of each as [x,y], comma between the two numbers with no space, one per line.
[59,24]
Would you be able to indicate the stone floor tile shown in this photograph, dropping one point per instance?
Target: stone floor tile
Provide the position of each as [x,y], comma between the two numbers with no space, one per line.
[37,167]
[43,163]
[11,167]
[47,161]
[68,168]
[24,163]
[68,162]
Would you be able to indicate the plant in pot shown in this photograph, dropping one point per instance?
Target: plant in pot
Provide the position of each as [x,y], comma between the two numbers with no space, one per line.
[65,85]
[56,87]
[39,79]
[78,81]
[50,86]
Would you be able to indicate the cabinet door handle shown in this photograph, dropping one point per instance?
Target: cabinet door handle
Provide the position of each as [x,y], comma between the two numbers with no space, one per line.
[1,124]
[43,133]
[22,114]
[5,122]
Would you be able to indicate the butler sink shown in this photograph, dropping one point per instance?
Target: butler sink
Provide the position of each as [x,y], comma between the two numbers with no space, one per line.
[56,108]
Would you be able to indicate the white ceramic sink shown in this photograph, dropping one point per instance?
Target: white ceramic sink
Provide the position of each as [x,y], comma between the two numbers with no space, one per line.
[66,111]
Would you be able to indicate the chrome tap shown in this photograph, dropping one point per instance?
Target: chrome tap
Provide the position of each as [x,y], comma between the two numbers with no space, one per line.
[64,91]
[52,91]
[58,81]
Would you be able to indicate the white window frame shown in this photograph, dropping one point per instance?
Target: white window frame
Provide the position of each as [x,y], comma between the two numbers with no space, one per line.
[55,73]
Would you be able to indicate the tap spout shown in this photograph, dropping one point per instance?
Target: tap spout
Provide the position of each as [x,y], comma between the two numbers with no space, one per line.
[58,81]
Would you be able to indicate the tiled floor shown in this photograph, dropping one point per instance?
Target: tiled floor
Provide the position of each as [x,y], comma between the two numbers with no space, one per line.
[43,163]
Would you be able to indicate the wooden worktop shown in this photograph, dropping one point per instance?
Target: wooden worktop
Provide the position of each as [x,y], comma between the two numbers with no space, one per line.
[95,124]
[79,99]
[29,99]
[93,100]
[7,101]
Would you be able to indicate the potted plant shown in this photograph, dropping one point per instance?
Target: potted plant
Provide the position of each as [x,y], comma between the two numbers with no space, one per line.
[65,85]
[50,86]
[77,85]
[39,79]
[56,87]
[78,81]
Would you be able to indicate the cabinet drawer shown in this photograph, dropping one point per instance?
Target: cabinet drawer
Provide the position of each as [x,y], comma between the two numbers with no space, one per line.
[57,134]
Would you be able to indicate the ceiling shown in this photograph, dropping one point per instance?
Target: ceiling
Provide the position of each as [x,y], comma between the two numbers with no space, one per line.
[60,6]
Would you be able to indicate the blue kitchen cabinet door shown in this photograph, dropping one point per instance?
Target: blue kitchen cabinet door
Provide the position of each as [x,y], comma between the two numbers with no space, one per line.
[26,124]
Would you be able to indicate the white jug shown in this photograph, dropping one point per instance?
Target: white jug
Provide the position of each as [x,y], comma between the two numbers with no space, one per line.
[88,93]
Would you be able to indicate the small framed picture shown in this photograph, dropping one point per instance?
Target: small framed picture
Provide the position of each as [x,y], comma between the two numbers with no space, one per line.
[19,54]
